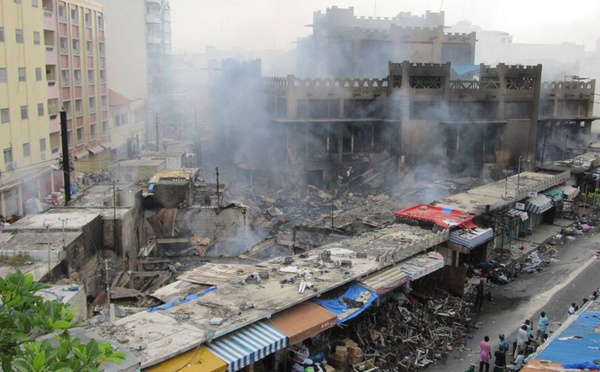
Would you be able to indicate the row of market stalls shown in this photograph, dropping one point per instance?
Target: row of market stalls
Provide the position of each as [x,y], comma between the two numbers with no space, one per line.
[282,339]
[493,216]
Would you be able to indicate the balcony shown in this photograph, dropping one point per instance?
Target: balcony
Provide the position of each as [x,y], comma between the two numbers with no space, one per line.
[51,55]
[49,20]
[52,89]
[152,18]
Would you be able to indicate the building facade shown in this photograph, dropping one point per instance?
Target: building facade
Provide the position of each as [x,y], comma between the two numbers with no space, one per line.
[418,115]
[344,45]
[140,63]
[127,126]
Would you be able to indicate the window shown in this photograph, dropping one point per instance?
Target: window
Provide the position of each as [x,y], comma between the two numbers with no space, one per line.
[61,13]
[2,34]
[3,76]
[89,46]
[38,74]
[34,3]
[92,104]
[67,107]
[102,76]
[79,135]
[123,119]
[64,77]
[17,1]
[64,46]
[75,46]
[19,35]
[101,48]
[88,20]
[70,138]
[117,120]
[104,126]
[26,150]
[93,130]
[74,15]
[78,106]
[42,145]
[40,109]
[7,156]
[36,37]
[104,102]
[90,76]
[21,73]
[100,22]
[24,114]
[4,115]
[77,76]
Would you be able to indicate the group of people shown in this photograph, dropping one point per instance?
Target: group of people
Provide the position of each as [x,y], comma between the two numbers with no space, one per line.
[524,345]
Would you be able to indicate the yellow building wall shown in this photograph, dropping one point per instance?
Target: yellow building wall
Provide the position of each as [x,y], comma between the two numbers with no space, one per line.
[15,94]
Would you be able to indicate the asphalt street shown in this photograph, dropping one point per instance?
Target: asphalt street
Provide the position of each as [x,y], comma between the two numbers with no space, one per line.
[571,278]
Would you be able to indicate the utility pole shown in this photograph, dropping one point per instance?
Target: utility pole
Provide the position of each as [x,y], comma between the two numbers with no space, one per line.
[332,214]
[48,244]
[114,187]
[218,193]
[110,314]
[518,174]
[66,165]
[64,239]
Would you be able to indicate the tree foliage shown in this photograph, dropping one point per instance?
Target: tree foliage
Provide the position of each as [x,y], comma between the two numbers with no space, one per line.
[24,316]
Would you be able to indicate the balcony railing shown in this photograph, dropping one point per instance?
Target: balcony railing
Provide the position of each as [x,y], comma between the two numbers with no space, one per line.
[50,48]
[48,13]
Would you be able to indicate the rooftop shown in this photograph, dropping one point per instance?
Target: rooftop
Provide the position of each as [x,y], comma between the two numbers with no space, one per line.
[239,302]
[53,220]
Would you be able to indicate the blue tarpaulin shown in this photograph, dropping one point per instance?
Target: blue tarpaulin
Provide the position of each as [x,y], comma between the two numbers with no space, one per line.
[335,306]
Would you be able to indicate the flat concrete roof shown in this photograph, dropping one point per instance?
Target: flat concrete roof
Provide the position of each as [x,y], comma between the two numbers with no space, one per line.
[138,163]
[502,193]
[166,335]
[53,219]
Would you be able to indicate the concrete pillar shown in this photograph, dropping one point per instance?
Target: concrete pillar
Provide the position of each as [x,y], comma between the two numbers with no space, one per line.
[20,201]
[531,145]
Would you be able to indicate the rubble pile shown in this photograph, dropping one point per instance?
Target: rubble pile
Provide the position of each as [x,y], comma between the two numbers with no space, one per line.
[412,332]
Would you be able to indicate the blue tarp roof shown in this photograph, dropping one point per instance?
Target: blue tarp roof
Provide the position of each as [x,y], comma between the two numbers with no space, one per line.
[578,343]
[337,308]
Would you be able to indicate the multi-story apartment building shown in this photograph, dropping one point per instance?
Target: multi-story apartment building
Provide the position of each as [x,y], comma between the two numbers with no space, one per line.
[139,64]
[81,75]
[127,125]
[24,109]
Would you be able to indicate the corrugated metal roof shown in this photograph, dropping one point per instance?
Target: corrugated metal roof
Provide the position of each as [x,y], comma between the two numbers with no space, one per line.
[386,280]
[578,342]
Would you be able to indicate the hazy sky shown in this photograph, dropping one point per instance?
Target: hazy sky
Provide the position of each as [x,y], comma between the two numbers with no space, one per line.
[262,24]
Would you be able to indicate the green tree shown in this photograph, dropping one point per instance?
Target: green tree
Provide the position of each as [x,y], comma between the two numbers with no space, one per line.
[24,316]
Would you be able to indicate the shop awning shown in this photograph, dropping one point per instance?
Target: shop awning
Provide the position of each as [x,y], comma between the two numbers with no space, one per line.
[517,213]
[418,266]
[344,313]
[570,192]
[303,321]
[96,150]
[539,204]
[471,238]
[556,194]
[195,360]
[441,216]
[385,280]
[248,345]
[81,155]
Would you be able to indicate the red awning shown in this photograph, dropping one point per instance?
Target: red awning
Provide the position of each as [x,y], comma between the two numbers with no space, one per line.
[444,217]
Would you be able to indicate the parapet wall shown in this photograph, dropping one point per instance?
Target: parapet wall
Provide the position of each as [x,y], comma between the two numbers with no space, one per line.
[588,87]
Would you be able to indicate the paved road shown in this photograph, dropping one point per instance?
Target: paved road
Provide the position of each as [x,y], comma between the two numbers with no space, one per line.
[570,279]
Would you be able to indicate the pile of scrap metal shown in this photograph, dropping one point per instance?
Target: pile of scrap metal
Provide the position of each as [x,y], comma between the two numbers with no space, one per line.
[409,333]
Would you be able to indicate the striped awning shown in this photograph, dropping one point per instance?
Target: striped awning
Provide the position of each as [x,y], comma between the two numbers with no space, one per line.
[471,238]
[538,205]
[385,280]
[248,345]
[421,265]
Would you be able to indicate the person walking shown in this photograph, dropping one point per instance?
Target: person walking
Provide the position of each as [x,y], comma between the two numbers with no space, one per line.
[479,295]
[485,353]
[499,359]
[522,339]
[573,308]
[542,325]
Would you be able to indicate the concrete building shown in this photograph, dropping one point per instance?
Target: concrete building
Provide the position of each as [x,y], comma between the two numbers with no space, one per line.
[344,45]
[81,73]
[24,90]
[127,126]
[139,63]
[418,114]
